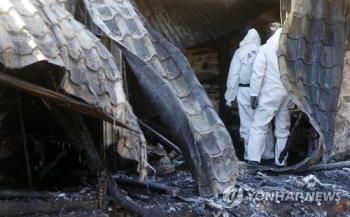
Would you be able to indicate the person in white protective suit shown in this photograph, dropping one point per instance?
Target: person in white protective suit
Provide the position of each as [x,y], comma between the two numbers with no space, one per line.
[238,84]
[270,100]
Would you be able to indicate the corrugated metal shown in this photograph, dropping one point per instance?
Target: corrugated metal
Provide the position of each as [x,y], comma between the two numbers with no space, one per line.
[35,31]
[25,38]
[173,90]
[81,15]
[42,30]
[311,59]
[188,23]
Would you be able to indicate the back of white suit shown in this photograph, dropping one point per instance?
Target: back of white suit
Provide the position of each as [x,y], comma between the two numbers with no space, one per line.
[266,77]
[273,102]
[238,85]
[241,64]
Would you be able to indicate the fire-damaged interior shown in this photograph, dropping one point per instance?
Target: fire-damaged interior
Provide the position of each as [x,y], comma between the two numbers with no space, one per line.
[44,138]
[95,91]
[210,59]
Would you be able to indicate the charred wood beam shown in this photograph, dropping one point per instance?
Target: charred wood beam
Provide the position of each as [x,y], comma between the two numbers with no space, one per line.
[24,139]
[140,196]
[4,112]
[151,132]
[148,185]
[107,190]
[73,126]
[102,193]
[43,202]
[159,127]
[323,167]
[115,161]
[8,145]
[125,80]
[112,154]
[83,137]
[42,195]
[58,158]
[292,137]
[60,99]
[119,199]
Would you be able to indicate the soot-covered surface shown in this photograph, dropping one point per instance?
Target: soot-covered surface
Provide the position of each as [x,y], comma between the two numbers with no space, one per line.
[177,195]
[305,191]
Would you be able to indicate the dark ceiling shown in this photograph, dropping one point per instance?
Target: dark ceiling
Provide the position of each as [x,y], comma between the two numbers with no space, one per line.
[190,22]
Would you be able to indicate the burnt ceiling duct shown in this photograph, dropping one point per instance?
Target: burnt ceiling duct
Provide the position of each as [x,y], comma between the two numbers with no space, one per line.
[311,60]
[186,23]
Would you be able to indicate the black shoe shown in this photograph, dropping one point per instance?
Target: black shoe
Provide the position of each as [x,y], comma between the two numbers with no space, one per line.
[268,162]
[252,165]
[275,165]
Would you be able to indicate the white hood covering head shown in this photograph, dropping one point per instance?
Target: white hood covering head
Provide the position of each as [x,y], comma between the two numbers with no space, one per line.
[275,38]
[241,64]
[251,38]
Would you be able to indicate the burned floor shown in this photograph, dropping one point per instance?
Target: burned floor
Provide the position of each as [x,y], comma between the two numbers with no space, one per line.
[174,194]
[180,198]
[185,202]
[111,118]
[63,185]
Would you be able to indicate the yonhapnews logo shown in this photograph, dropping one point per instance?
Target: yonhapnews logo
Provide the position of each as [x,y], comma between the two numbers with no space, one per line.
[234,195]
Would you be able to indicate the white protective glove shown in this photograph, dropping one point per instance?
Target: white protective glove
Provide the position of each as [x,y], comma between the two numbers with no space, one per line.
[228,104]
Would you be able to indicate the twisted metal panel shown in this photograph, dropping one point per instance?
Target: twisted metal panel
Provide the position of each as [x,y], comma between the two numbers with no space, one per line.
[175,93]
[311,57]
[41,30]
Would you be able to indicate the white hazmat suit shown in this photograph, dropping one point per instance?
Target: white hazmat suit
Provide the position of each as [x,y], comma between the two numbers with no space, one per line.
[238,84]
[273,102]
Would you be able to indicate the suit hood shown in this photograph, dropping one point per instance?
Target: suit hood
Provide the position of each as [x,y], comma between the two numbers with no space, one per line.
[275,37]
[252,38]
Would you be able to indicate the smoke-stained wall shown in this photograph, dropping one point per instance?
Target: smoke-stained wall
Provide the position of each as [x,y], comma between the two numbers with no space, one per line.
[342,121]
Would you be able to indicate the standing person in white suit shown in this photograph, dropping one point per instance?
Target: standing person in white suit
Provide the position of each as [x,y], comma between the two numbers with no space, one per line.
[270,100]
[238,85]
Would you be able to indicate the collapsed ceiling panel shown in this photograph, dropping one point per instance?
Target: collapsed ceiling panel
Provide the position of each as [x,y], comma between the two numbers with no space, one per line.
[167,78]
[311,60]
[42,30]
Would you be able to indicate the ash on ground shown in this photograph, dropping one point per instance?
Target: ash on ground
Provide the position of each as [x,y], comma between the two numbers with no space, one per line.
[323,193]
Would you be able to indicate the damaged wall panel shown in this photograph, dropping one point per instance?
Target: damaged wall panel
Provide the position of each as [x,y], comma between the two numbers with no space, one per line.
[174,92]
[311,60]
[35,31]
[205,63]
[342,120]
